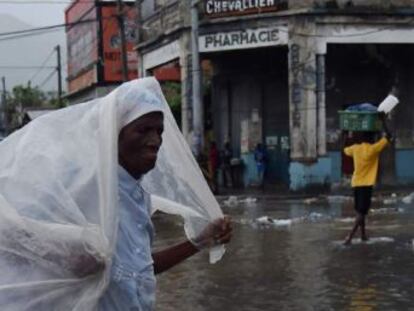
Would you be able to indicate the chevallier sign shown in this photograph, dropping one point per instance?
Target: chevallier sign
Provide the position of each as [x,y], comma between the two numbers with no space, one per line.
[216,8]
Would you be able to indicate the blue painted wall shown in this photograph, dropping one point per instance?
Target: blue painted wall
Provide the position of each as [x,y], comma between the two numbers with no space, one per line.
[276,170]
[303,175]
[250,170]
[327,170]
[336,166]
[404,166]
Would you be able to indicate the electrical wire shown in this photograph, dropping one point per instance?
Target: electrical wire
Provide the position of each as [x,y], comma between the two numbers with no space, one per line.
[6,36]
[28,35]
[110,20]
[47,78]
[42,2]
[26,67]
[42,66]
[91,45]
[30,2]
[30,30]
[47,29]
[280,29]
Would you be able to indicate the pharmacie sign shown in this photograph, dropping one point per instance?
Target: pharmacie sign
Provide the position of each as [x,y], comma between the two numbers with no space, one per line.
[217,8]
[243,39]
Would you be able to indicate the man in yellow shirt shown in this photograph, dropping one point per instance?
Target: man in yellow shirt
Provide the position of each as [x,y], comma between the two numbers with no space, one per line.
[365,153]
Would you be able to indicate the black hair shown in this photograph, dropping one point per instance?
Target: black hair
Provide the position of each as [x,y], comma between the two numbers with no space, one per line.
[365,137]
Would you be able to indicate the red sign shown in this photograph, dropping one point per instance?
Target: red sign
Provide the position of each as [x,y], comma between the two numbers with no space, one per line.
[81,37]
[112,43]
[85,79]
[168,72]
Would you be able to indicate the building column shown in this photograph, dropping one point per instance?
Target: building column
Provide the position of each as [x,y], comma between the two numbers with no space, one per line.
[302,89]
[321,104]
[186,90]
[309,165]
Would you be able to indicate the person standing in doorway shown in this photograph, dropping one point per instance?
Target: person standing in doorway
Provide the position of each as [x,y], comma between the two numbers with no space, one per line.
[226,156]
[260,157]
[365,153]
[213,162]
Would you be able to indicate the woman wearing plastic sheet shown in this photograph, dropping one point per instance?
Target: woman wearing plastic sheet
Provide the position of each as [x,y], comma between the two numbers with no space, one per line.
[77,190]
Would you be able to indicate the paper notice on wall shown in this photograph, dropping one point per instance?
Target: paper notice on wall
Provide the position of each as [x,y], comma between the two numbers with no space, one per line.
[271,141]
[250,135]
[284,142]
[244,136]
[255,134]
[255,116]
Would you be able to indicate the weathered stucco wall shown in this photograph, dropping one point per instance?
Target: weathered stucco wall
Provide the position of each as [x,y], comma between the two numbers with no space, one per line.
[349,4]
[302,88]
[166,18]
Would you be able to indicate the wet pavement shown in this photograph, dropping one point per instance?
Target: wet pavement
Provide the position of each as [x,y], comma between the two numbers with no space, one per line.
[289,256]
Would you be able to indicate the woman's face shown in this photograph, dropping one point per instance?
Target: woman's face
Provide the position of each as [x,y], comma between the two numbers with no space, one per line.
[139,142]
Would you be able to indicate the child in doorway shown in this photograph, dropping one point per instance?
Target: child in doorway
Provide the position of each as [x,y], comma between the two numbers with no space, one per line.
[365,153]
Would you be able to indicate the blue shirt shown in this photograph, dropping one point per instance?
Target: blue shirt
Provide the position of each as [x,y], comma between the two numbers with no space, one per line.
[132,284]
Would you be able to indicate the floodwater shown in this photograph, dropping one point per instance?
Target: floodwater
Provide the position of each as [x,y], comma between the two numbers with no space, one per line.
[297,262]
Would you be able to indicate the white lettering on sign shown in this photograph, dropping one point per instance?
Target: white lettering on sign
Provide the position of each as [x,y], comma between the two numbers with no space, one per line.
[243,39]
[220,7]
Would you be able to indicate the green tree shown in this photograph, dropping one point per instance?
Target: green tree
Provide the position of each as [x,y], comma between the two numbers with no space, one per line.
[24,97]
[53,100]
[20,98]
[172,92]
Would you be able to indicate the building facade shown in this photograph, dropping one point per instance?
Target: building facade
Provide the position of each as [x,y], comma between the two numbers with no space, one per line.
[277,72]
[94,48]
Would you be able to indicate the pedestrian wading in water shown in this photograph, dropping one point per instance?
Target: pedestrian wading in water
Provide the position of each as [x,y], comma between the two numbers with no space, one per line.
[365,153]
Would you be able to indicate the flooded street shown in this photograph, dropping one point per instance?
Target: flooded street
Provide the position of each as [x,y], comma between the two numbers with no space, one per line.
[293,259]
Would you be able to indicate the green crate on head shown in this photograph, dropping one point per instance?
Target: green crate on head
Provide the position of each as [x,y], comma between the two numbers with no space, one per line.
[359,121]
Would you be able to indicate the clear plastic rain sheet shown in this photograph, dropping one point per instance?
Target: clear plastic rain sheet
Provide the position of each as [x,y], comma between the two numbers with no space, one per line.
[58,197]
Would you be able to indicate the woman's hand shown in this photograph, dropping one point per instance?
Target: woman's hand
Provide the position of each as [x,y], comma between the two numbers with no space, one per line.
[216,233]
[86,264]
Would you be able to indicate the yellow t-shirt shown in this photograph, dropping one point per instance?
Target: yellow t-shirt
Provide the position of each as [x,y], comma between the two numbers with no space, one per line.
[366,158]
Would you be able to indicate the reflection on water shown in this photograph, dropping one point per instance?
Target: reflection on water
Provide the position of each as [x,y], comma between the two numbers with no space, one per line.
[300,266]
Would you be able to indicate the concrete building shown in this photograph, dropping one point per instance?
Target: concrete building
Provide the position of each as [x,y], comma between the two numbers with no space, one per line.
[279,70]
[94,49]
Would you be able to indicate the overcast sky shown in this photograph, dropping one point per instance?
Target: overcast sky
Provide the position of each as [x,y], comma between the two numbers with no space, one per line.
[36,13]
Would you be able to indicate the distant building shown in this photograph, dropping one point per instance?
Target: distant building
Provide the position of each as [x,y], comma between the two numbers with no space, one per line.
[29,114]
[94,50]
[279,70]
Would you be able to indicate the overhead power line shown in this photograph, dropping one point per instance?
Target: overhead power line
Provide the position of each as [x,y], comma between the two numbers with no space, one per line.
[26,67]
[17,32]
[42,2]
[42,66]
[47,79]
[30,2]
[91,45]
[27,35]
[6,36]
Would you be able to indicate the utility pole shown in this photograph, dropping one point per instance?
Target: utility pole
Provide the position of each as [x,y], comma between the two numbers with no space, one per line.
[198,122]
[121,25]
[3,94]
[59,74]
[138,37]
[3,124]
